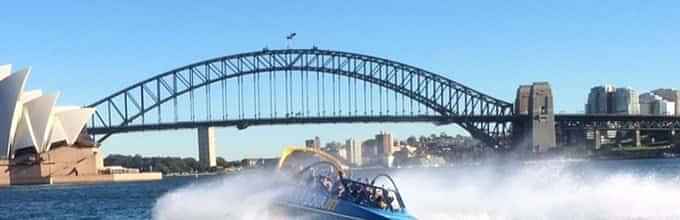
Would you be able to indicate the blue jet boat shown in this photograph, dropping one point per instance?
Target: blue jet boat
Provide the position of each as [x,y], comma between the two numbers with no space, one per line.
[321,191]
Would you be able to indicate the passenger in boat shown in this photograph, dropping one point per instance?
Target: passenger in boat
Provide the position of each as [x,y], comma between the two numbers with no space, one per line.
[340,189]
[353,191]
[327,183]
[366,195]
[380,202]
[359,193]
[389,201]
[341,175]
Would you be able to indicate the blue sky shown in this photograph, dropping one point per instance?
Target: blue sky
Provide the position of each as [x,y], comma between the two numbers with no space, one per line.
[89,49]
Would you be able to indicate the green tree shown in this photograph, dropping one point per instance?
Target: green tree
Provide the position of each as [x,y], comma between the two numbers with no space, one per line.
[221,162]
[412,140]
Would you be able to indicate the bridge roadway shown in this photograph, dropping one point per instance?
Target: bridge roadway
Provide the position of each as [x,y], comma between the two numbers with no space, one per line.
[564,121]
[244,123]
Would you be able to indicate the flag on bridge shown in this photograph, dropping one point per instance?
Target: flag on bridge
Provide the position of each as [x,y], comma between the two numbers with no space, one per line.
[290,36]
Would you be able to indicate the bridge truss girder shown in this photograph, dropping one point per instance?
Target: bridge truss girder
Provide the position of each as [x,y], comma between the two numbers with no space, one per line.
[146,104]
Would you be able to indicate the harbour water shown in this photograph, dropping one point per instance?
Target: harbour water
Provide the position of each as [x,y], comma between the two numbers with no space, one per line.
[628,189]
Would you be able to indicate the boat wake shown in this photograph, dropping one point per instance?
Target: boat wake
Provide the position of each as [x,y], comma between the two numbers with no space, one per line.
[537,191]
[244,196]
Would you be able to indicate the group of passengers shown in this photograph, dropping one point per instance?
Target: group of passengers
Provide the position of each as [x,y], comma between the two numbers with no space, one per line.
[361,192]
[365,194]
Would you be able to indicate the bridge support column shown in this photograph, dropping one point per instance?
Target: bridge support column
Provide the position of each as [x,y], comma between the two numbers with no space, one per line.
[578,138]
[206,146]
[636,138]
[537,133]
[675,138]
[618,137]
[597,138]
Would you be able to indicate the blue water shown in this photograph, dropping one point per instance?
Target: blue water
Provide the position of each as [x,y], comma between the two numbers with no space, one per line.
[100,201]
[629,189]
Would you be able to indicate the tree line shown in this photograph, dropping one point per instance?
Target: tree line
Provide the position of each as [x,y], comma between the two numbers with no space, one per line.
[164,165]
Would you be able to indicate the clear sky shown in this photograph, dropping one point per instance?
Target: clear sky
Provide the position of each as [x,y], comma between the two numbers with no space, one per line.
[90,49]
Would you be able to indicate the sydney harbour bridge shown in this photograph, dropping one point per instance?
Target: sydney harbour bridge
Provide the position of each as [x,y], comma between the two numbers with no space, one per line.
[305,86]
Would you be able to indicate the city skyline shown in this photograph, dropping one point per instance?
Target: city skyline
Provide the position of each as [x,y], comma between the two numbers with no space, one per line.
[513,52]
[609,99]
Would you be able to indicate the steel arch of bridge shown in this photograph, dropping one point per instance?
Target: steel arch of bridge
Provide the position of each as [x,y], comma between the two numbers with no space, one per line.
[444,100]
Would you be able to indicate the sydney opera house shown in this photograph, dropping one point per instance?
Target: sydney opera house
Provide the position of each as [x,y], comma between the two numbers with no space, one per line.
[41,143]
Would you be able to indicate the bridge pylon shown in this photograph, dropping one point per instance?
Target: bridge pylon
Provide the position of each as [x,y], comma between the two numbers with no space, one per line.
[206,146]
[536,133]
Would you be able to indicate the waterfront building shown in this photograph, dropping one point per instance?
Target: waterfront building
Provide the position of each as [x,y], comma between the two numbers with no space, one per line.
[342,153]
[369,152]
[41,143]
[670,95]
[600,100]
[314,143]
[626,102]
[335,149]
[251,163]
[353,152]
[652,104]
[29,120]
[607,99]
[384,147]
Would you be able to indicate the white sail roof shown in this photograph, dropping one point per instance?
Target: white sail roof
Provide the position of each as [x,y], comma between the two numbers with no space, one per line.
[30,119]
[58,133]
[10,91]
[5,70]
[71,120]
[30,95]
[24,136]
[40,113]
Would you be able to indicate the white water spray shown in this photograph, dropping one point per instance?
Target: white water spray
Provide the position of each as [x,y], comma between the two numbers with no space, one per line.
[548,191]
[538,192]
[240,197]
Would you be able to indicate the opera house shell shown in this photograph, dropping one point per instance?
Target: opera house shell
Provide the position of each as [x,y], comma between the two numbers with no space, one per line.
[30,122]
[39,141]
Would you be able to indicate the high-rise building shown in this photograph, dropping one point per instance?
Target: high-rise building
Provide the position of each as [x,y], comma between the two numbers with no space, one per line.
[342,152]
[600,100]
[609,100]
[625,101]
[353,152]
[313,143]
[652,104]
[369,152]
[671,95]
[384,142]
[647,103]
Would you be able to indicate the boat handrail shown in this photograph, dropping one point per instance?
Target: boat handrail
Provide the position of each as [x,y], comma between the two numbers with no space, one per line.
[394,185]
[388,177]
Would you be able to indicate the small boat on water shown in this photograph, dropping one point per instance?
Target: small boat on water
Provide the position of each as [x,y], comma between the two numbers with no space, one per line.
[324,189]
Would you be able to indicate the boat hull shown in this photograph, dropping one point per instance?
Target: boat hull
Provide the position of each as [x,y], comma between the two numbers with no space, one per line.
[300,203]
